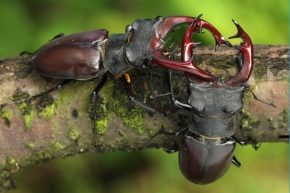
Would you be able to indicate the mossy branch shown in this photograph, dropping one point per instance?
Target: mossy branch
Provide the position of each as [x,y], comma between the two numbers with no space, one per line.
[60,124]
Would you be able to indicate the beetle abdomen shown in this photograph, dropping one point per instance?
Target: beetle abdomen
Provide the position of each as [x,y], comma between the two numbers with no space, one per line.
[76,56]
[68,62]
[203,162]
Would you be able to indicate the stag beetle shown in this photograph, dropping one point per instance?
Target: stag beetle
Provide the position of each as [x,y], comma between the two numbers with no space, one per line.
[207,147]
[90,54]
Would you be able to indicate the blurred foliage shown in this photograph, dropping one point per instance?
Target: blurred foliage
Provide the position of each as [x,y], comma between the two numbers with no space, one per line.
[27,24]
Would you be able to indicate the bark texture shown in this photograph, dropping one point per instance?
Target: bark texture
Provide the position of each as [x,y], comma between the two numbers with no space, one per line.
[60,124]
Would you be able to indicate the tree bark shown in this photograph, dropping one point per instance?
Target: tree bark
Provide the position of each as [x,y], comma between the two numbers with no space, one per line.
[60,124]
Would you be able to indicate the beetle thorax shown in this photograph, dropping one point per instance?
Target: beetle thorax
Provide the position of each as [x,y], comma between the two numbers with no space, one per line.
[214,109]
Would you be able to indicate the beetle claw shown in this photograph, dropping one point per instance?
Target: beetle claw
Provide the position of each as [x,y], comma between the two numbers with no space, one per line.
[240,33]
[196,44]
[246,48]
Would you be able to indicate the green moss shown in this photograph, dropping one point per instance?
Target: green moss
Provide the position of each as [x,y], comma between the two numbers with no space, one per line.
[135,120]
[47,112]
[4,174]
[10,160]
[274,125]
[280,121]
[25,109]
[152,132]
[74,133]
[11,163]
[28,121]
[102,122]
[68,95]
[57,146]
[47,154]
[285,115]
[250,121]
[106,104]
[40,156]
[30,145]
[6,115]
[260,73]
[21,105]
[122,107]
[121,133]
[19,96]
[102,125]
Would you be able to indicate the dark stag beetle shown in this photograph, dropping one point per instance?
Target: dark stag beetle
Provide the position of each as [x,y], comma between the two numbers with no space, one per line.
[207,148]
[87,55]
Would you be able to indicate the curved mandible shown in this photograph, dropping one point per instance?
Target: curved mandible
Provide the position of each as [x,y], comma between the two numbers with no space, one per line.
[165,26]
[196,26]
[157,56]
[247,51]
[186,51]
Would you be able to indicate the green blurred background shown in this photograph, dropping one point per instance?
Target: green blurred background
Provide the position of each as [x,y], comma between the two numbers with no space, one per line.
[28,24]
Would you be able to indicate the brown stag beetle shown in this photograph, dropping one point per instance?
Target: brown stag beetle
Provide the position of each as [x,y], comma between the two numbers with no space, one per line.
[207,147]
[90,54]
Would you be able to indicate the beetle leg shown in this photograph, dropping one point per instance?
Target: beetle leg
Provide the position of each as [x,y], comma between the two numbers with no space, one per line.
[57,87]
[94,96]
[25,52]
[162,131]
[158,133]
[236,162]
[139,103]
[174,149]
[283,136]
[176,102]
[57,36]
[242,143]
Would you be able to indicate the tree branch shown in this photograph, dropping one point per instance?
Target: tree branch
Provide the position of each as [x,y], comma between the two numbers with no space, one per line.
[60,124]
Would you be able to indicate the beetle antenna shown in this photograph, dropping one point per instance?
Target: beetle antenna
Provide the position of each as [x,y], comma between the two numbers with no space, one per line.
[176,102]
[162,131]
[94,111]
[256,98]
[25,53]
[57,36]
[158,133]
